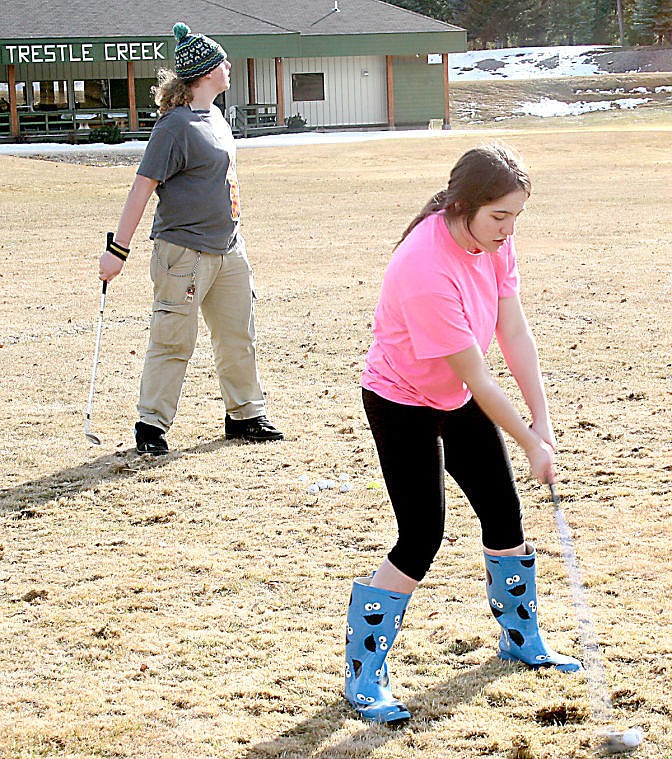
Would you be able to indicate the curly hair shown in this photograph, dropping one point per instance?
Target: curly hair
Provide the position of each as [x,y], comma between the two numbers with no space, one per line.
[171,91]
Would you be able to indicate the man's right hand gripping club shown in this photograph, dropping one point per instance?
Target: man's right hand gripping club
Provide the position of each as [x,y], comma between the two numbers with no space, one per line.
[113,259]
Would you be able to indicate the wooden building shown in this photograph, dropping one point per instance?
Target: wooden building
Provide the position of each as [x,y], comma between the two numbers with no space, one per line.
[66,68]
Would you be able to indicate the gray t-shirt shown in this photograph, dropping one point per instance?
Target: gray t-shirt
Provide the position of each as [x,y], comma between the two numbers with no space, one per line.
[193,157]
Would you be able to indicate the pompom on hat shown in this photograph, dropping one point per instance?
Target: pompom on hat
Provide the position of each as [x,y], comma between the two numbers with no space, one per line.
[195,54]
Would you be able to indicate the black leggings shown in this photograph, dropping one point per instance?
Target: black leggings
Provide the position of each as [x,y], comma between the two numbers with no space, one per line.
[414,445]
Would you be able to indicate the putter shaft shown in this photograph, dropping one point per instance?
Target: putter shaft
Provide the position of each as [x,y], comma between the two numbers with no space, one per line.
[600,698]
[89,436]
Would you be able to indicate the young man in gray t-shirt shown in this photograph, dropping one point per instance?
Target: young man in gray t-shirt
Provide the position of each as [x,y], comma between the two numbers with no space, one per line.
[195,150]
[199,257]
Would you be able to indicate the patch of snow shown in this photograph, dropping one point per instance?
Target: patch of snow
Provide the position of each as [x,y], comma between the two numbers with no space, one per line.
[35,148]
[630,103]
[266,141]
[618,90]
[547,107]
[525,62]
[323,138]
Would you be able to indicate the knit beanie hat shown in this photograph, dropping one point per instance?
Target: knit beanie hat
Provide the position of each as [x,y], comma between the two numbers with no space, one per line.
[195,54]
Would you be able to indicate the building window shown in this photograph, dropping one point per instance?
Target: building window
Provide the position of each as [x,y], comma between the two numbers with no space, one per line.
[307,87]
[4,97]
[21,103]
[21,95]
[92,93]
[50,95]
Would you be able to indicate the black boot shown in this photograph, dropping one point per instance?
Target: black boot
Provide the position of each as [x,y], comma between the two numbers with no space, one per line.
[150,439]
[256,430]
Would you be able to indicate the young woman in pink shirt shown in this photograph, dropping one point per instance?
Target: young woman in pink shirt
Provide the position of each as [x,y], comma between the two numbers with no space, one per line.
[432,404]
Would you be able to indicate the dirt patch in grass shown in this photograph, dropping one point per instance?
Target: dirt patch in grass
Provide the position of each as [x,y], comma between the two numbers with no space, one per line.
[641,59]
[194,606]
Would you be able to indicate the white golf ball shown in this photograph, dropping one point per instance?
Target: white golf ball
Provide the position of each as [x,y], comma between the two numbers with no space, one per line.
[303,478]
[313,489]
[343,476]
[346,487]
[632,737]
[326,484]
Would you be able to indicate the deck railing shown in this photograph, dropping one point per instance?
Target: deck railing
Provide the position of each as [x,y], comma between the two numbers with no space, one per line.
[245,120]
[77,123]
[254,119]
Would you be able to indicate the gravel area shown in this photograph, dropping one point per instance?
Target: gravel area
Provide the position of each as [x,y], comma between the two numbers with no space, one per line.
[92,158]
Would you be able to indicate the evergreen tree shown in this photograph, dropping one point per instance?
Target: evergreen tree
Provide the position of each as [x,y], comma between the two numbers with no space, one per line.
[517,23]
[642,23]
[530,24]
[629,7]
[663,28]
[570,22]
[443,10]
[500,23]
[604,25]
[652,22]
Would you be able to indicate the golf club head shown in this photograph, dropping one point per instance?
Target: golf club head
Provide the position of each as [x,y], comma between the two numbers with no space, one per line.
[620,742]
[88,434]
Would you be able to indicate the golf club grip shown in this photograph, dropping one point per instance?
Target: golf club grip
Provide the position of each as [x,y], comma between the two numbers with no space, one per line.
[110,240]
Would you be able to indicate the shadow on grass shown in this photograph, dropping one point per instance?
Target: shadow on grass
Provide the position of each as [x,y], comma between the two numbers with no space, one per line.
[307,738]
[114,466]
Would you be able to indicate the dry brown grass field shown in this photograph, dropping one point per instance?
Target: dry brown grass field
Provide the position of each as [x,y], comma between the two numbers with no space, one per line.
[485,102]
[194,606]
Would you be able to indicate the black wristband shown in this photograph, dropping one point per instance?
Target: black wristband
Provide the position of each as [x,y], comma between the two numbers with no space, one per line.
[115,249]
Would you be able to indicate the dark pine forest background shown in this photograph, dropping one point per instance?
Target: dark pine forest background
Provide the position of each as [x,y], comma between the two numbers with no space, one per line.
[520,23]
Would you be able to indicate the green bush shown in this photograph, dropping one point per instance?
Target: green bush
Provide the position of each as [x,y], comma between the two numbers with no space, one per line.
[295,123]
[110,135]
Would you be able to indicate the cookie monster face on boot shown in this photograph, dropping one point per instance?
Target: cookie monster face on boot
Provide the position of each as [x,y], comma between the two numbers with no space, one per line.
[374,620]
[512,595]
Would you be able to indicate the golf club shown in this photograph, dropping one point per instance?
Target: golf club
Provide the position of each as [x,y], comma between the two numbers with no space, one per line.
[89,435]
[613,741]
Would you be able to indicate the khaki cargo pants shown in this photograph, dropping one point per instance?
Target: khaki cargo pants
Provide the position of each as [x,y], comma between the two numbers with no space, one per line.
[222,286]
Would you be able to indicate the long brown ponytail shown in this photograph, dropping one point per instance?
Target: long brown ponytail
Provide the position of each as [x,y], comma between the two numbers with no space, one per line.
[480,176]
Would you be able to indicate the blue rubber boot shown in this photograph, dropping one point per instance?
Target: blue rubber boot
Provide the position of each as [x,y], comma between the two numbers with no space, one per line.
[512,593]
[374,620]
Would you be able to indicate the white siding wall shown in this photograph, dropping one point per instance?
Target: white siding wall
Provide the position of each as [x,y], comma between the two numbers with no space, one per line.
[351,98]
[237,93]
[264,74]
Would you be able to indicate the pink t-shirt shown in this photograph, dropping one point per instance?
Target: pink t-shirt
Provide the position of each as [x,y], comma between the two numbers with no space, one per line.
[436,299]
